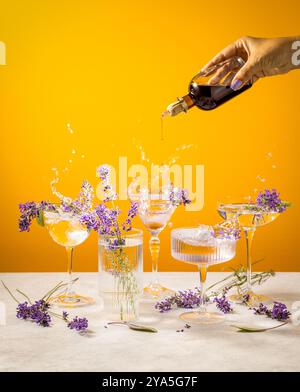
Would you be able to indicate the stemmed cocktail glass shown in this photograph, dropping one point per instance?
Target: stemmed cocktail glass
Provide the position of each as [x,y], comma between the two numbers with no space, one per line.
[249,216]
[199,246]
[155,212]
[66,230]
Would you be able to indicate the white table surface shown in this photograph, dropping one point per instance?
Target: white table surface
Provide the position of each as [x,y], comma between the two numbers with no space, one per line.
[27,347]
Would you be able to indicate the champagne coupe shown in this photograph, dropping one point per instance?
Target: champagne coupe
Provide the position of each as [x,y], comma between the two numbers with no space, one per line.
[66,230]
[155,211]
[199,246]
[249,216]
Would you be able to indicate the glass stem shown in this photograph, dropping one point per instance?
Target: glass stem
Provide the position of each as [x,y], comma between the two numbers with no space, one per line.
[249,234]
[154,250]
[69,291]
[202,272]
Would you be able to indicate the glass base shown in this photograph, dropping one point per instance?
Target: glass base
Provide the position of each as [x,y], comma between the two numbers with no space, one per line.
[202,317]
[254,299]
[72,301]
[157,291]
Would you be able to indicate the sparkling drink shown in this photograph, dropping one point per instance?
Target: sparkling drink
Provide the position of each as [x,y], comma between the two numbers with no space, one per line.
[200,246]
[249,217]
[65,229]
[155,212]
[196,246]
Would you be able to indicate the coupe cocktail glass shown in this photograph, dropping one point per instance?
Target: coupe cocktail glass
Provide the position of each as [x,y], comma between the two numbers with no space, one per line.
[249,217]
[199,246]
[155,212]
[66,230]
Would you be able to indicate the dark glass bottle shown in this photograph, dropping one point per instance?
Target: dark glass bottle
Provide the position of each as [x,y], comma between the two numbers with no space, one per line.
[210,88]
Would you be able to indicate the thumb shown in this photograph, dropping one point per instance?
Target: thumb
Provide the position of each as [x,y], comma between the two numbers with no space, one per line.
[243,75]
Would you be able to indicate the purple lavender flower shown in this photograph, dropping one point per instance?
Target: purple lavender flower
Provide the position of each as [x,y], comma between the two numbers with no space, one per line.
[65,315]
[23,311]
[28,212]
[79,324]
[245,299]
[36,313]
[223,304]
[262,309]
[108,220]
[183,299]
[84,201]
[269,200]
[90,220]
[127,225]
[179,196]
[164,305]
[103,172]
[278,312]
[115,243]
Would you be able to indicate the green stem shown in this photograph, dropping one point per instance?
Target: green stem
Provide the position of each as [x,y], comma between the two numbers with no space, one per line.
[24,295]
[11,294]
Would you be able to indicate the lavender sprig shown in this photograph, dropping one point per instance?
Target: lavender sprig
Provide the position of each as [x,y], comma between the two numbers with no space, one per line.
[178,196]
[278,312]
[191,298]
[223,304]
[39,312]
[268,201]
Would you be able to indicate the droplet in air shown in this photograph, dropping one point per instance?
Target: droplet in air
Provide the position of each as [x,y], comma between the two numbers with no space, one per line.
[269,155]
[260,178]
[73,151]
[70,161]
[70,128]
[82,156]
[274,166]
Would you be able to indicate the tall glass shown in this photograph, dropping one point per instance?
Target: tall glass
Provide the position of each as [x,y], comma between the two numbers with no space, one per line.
[66,230]
[120,275]
[249,217]
[155,212]
[198,246]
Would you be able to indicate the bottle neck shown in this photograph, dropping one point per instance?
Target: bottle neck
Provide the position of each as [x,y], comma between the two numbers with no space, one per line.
[182,104]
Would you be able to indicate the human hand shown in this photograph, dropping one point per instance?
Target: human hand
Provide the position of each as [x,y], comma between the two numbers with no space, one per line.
[262,56]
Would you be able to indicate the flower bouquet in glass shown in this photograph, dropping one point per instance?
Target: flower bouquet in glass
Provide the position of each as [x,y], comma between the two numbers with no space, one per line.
[66,226]
[120,253]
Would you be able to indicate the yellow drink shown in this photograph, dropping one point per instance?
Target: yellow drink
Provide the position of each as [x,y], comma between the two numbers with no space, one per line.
[65,229]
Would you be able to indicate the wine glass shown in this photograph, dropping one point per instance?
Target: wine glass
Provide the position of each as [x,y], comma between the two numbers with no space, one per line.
[199,246]
[249,216]
[66,230]
[155,212]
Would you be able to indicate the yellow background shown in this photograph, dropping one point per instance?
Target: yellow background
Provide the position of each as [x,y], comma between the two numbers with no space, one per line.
[109,68]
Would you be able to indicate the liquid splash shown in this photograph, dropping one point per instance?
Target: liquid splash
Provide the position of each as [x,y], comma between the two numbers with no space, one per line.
[57,177]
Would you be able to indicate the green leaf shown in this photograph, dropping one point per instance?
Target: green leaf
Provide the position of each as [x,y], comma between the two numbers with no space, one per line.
[142,328]
[251,329]
[40,218]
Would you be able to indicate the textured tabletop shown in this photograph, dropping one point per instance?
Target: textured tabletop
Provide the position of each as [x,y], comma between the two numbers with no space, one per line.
[27,347]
